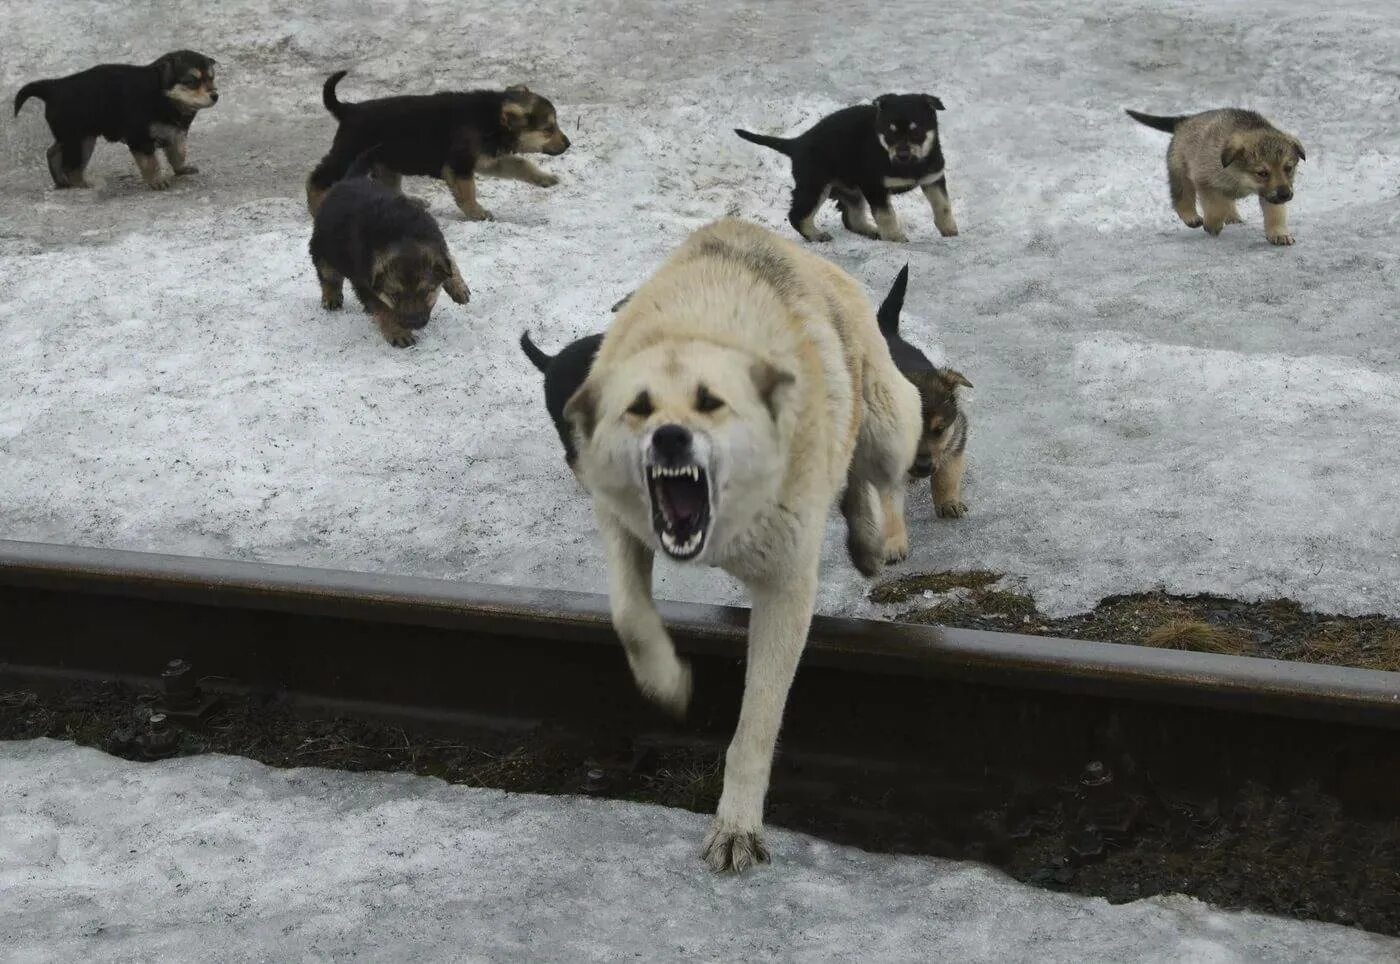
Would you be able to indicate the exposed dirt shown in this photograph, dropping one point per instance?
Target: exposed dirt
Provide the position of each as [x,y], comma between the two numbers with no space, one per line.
[1273,628]
[1110,831]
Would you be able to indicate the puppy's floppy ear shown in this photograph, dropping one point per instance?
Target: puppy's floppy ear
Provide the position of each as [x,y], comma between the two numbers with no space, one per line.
[517,89]
[1298,148]
[515,115]
[581,410]
[771,383]
[955,378]
[1233,151]
[934,102]
[882,101]
[165,71]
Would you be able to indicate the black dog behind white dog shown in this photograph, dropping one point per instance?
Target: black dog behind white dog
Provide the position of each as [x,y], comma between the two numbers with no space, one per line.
[866,154]
[144,107]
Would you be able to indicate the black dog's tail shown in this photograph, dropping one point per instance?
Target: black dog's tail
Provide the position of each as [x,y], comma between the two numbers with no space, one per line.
[36,88]
[328,97]
[888,315]
[783,145]
[1166,124]
[537,358]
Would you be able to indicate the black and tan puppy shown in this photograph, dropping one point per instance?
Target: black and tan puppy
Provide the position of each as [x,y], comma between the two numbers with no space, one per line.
[452,135]
[142,107]
[866,154]
[1220,156]
[390,250]
[943,438]
[563,374]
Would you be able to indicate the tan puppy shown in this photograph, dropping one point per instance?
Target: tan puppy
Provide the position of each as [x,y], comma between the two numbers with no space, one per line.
[737,393]
[1223,155]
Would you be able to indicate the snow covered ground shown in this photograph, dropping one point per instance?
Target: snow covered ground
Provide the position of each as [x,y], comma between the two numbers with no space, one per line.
[1153,407]
[217,858]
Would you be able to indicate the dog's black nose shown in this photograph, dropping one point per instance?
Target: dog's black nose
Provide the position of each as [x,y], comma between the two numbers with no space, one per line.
[213,97]
[671,443]
[1282,196]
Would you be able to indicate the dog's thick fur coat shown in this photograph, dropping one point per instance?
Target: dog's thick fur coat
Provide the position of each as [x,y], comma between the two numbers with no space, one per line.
[452,135]
[737,394]
[1220,156]
[143,106]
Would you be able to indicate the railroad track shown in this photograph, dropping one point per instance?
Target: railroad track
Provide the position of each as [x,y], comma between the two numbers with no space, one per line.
[1056,759]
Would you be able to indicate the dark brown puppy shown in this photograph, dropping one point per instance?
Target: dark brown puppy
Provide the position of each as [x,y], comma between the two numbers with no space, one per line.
[453,136]
[943,439]
[390,250]
[144,107]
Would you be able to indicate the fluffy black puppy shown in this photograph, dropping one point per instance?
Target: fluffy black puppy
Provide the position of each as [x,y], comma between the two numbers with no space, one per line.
[389,248]
[943,437]
[563,374]
[143,107]
[865,154]
[450,135]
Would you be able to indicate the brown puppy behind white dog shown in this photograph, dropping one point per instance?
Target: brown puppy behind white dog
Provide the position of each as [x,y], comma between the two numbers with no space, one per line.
[737,393]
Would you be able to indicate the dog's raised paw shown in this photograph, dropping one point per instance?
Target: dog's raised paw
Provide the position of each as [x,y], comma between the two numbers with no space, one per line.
[1282,239]
[732,849]
[457,291]
[187,169]
[668,687]
[950,510]
[546,180]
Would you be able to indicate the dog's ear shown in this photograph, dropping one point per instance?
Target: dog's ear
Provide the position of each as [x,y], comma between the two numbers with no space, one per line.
[934,102]
[165,72]
[1298,149]
[956,378]
[771,383]
[515,114]
[517,89]
[581,410]
[1234,150]
[883,101]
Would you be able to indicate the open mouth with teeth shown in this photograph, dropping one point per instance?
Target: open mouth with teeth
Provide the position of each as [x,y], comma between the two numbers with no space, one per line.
[680,508]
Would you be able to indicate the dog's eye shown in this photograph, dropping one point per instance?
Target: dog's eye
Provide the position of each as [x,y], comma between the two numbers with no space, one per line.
[641,405]
[705,402]
[1263,173]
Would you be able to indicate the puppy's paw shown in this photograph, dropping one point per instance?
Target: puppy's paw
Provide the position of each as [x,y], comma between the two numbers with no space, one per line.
[160,182]
[332,302]
[1192,222]
[949,230]
[668,685]
[950,510]
[187,169]
[1282,239]
[405,339]
[545,180]
[1234,219]
[897,237]
[818,237]
[479,214]
[729,847]
[457,290]
[1214,229]
[896,550]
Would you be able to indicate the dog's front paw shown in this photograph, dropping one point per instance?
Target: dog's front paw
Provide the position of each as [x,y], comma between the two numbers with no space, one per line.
[187,169]
[1234,219]
[1283,239]
[332,301]
[896,549]
[546,180]
[949,230]
[479,214]
[818,237]
[1192,222]
[406,339]
[457,290]
[666,683]
[1214,228]
[897,237]
[729,847]
[950,510]
[159,182]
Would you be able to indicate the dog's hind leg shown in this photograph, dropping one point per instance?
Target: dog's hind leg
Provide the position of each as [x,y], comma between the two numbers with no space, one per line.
[778,625]
[854,215]
[937,194]
[807,200]
[68,160]
[659,673]
[332,286]
[865,536]
[1183,193]
[55,157]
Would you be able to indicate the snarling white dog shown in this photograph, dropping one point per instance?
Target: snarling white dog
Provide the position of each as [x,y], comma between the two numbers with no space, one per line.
[738,392]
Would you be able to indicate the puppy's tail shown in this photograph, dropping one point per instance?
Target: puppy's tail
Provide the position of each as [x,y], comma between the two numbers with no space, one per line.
[328,97]
[888,315]
[1166,124]
[537,358]
[37,88]
[783,145]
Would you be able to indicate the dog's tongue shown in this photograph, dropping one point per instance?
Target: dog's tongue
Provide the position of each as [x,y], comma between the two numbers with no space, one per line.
[685,500]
